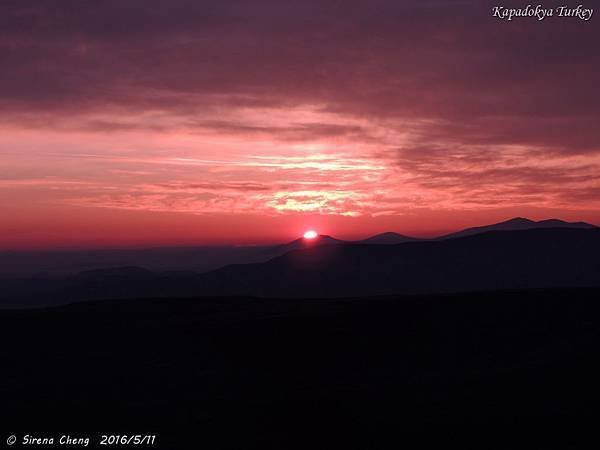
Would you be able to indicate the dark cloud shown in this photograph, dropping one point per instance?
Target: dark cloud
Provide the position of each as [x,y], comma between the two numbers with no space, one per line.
[295,132]
[456,73]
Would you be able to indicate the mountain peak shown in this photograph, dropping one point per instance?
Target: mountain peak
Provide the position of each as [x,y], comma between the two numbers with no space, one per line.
[321,239]
[519,223]
[518,220]
[389,237]
[553,222]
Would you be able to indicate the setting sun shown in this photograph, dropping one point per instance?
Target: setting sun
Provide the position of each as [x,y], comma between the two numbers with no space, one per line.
[310,234]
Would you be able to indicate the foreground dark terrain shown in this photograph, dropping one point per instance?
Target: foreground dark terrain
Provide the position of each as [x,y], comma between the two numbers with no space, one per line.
[509,369]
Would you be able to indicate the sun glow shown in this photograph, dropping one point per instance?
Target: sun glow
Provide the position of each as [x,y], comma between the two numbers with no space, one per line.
[310,234]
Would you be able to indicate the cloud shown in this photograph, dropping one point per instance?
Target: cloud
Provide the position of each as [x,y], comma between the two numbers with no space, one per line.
[471,76]
[350,107]
[200,187]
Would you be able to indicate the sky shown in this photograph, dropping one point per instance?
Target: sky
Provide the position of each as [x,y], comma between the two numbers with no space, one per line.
[150,123]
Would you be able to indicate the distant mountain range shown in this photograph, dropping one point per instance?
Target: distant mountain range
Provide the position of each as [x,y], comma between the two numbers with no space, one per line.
[388,238]
[296,244]
[205,259]
[490,260]
[519,223]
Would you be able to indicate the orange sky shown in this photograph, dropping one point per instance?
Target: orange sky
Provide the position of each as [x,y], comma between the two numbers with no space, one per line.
[97,189]
[178,130]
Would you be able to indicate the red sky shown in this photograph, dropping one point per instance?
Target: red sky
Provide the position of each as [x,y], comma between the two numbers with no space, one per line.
[142,123]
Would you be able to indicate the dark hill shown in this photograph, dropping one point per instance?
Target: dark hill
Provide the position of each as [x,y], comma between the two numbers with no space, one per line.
[537,258]
[322,239]
[388,238]
[519,224]
[494,260]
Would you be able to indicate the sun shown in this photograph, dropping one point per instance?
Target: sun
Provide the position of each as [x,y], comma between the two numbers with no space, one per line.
[310,234]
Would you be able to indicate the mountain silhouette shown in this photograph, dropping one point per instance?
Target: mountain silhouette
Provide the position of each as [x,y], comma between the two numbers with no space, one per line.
[388,238]
[321,239]
[535,258]
[267,252]
[495,260]
[26,264]
[518,223]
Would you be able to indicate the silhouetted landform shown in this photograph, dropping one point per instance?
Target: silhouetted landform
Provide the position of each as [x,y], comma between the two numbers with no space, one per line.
[205,259]
[537,258]
[65,262]
[197,259]
[321,239]
[388,238]
[495,370]
[493,260]
[519,223]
